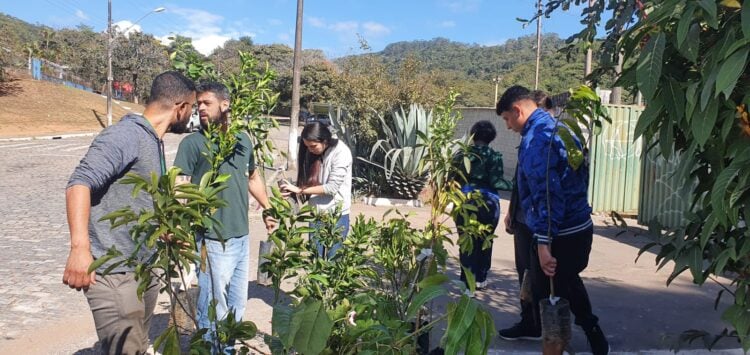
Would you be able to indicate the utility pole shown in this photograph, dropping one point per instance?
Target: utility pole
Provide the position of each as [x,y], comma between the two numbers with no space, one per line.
[587,65]
[109,63]
[538,42]
[296,73]
[497,81]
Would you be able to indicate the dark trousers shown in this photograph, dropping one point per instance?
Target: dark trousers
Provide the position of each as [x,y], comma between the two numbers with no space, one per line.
[522,241]
[572,254]
[479,260]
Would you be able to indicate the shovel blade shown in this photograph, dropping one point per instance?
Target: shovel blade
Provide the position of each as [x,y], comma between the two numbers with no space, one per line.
[556,325]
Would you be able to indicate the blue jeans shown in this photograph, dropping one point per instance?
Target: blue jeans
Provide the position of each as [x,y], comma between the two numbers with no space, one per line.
[342,223]
[225,280]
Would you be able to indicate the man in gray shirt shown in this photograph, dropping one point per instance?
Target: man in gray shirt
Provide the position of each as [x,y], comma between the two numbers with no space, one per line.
[133,145]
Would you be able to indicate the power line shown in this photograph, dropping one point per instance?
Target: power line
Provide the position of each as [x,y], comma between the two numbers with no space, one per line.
[67,9]
[95,19]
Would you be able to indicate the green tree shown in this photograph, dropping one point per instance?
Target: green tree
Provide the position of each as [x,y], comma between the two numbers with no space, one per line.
[137,59]
[185,46]
[84,52]
[225,58]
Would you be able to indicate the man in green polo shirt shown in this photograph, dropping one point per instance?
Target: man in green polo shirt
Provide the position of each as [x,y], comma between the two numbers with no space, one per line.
[226,275]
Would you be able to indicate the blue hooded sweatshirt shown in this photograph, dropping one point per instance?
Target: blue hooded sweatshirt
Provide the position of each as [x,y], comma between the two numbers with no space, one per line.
[568,188]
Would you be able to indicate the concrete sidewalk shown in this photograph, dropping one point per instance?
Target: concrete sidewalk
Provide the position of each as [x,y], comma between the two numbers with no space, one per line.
[638,313]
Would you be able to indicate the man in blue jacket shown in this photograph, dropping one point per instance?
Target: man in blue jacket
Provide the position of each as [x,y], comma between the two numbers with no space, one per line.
[133,145]
[553,197]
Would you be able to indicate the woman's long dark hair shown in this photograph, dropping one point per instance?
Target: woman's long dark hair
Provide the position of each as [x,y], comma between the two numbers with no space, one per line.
[317,132]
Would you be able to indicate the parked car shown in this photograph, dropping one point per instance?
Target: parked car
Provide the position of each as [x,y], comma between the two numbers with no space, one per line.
[306,117]
[195,121]
[321,117]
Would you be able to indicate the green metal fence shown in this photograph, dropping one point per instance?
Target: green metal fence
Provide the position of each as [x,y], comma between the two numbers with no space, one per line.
[614,181]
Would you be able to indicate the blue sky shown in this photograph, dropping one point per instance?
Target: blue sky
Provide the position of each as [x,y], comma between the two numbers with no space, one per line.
[329,25]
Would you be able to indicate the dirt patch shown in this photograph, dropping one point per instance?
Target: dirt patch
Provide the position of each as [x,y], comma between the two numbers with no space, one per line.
[31,108]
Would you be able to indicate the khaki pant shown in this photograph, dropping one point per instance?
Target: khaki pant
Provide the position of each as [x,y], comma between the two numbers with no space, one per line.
[122,321]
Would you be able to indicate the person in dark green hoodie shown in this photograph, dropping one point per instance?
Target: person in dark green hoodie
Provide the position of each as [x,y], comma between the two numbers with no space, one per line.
[485,176]
[133,145]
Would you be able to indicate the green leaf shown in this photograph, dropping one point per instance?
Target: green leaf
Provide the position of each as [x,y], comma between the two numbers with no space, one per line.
[650,62]
[702,125]
[729,123]
[425,295]
[695,263]
[474,342]
[707,91]
[676,99]
[575,156]
[459,321]
[666,139]
[736,195]
[170,341]
[648,117]
[437,279]
[678,269]
[689,49]
[721,262]
[281,322]
[470,279]
[684,24]
[719,190]
[313,327]
[691,99]
[730,72]
[709,6]
[745,19]
[111,253]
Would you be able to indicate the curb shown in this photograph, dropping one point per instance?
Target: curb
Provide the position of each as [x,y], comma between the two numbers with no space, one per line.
[60,136]
[394,202]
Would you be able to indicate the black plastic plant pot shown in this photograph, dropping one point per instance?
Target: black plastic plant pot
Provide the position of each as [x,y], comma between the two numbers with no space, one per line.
[423,340]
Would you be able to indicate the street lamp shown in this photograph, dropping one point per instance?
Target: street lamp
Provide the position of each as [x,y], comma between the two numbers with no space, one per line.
[110,40]
[497,80]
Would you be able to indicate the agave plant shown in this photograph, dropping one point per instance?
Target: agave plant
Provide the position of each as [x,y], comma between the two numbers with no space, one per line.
[403,149]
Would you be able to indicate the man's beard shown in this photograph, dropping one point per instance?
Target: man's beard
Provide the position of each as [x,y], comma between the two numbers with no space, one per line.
[214,121]
[180,126]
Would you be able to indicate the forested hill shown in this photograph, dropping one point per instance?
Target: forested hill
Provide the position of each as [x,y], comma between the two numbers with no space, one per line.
[474,66]
[14,33]
[476,61]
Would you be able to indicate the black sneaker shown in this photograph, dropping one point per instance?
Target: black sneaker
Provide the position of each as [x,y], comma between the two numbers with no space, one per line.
[597,341]
[519,331]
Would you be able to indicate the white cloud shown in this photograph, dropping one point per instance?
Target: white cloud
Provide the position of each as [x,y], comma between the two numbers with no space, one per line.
[498,42]
[206,44]
[369,28]
[81,15]
[344,26]
[375,29]
[275,22]
[448,24]
[165,40]
[205,29]
[125,27]
[284,37]
[316,22]
[461,5]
